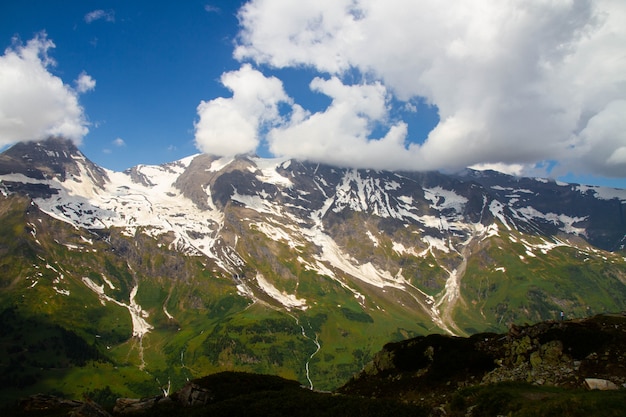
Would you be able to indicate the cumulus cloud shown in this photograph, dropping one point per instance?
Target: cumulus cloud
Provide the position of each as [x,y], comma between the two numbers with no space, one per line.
[516,83]
[34,103]
[85,83]
[106,15]
[601,145]
[343,131]
[231,126]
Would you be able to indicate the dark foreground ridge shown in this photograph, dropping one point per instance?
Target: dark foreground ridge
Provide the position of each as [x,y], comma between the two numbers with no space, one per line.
[565,368]
[441,371]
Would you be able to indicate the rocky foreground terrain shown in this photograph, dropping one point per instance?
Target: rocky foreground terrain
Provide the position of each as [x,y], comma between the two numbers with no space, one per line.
[565,368]
[573,354]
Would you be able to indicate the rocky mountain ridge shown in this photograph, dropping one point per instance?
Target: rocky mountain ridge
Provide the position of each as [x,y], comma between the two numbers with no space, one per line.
[289,267]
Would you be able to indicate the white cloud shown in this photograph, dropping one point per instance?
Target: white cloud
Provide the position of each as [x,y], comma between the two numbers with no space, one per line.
[516,83]
[119,142]
[341,134]
[512,169]
[211,9]
[34,103]
[230,126]
[601,145]
[106,15]
[85,83]
[285,33]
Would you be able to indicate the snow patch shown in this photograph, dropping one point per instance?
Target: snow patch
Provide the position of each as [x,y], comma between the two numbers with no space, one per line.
[185,162]
[108,282]
[137,314]
[603,193]
[332,254]
[363,195]
[287,300]
[269,174]
[497,209]
[408,200]
[372,238]
[491,230]
[443,199]
[167,313]
[256,203]
[61,291]
[392,185]
[436,243]
[219,164]
[566,221]
[276,233]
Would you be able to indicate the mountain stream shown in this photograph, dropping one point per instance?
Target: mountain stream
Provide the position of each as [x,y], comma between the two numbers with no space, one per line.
[318,347]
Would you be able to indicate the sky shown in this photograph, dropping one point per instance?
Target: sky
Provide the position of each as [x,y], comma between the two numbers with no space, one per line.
[526,87]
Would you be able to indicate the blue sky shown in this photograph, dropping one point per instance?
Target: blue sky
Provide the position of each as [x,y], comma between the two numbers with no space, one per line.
[152,66]
[526,87]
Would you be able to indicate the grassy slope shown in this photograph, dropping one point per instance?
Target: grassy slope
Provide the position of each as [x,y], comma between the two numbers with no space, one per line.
[503,284]
[214,329]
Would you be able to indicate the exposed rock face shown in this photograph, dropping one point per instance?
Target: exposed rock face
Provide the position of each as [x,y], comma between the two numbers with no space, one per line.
[193,394]
[89,409]
[565,353]
[42,403]
[54,158]
[132,406]
[46,402]
[579,353]
[205,391]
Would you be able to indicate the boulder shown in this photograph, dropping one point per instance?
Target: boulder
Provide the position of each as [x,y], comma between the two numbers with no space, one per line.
[130,406]
[193,394]
[600,384]
[40,402]
[47,402]
[89,409]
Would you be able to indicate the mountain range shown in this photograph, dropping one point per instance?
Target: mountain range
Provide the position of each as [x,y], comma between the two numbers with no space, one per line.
[143,279]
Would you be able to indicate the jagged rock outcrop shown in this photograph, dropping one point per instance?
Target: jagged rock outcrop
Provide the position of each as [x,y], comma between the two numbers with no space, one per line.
[89,409]
[45,402]
[53,158]
[134,406]
[42,403]
[192,395]
[572,354]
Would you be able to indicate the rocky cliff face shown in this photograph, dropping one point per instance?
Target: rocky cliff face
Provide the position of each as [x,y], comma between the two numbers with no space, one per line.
[569,354]
[56,158]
